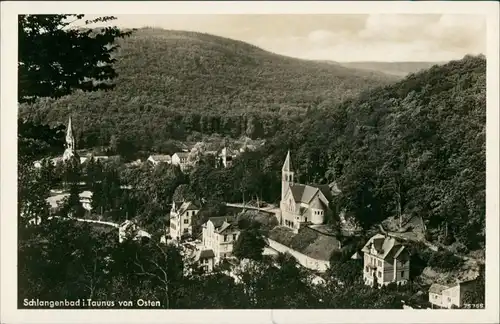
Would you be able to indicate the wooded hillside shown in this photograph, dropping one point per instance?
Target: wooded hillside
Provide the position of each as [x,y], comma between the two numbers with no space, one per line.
[173,83]
[416,147]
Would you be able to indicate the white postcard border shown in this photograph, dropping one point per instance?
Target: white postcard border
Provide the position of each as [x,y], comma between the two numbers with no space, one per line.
[8,172]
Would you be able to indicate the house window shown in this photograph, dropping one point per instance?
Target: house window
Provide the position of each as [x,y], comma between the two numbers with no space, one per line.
[234,237]
[225,238]
[306,219]
[402,274]
[379,263]
[379,274]
[186,221]
[367,269]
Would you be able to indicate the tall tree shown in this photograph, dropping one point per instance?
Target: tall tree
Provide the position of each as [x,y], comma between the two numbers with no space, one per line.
[249,244]
[81,60]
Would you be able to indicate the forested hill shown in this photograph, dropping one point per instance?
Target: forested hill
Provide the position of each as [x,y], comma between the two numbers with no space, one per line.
[172,83]
[417,146]
[392,68]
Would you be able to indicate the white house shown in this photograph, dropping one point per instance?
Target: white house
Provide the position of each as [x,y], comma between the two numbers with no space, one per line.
[444,296]
[160,158]
[181,219]
[385,261]
[227,157]
[181,159]
[219,235]
[205,259]
[86,199]
[130,229]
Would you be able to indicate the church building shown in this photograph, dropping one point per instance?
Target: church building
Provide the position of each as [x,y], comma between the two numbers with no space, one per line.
[301,204]
[70,151]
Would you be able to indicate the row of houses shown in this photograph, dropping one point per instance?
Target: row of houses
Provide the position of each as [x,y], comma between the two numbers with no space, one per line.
[187,159]
[218,234]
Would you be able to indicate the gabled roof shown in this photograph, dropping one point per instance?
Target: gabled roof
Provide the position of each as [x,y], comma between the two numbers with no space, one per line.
[224,227]
[385,246]
[228,152]
[182,154]
[437,288]
[305,193]
[126,224]
[86,194]
[307,241]
[187,206]
[204,254]
[178,204]
[356,256]
[161,157]
[221,223]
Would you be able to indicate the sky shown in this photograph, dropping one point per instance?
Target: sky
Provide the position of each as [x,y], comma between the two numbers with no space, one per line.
[340,37]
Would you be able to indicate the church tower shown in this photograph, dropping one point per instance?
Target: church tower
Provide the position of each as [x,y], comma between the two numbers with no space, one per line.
[70,139]
[286,175]
[70,142]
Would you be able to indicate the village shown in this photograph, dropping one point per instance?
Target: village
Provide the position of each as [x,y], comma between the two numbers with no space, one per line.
[299,227]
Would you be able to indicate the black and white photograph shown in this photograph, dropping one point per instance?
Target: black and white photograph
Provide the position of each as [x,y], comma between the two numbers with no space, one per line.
[250,161]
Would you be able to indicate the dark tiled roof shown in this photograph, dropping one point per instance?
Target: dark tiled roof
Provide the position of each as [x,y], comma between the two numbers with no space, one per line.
[308,241]
[219,220]
[187,206]
[182,154]
[325,190]
[386,246]
[206,254]
[437,288]
[161,158]
[305,193]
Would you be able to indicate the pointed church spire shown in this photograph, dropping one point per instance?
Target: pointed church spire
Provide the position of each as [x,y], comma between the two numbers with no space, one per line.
[69,132]
[70,142]
[287,166]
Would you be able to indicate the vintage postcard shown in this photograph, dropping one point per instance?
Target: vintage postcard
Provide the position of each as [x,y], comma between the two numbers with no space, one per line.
[249,162]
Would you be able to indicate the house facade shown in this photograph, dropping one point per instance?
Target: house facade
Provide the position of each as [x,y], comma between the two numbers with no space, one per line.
[86,199]
[385,261]
[442,296]
[227,157]
[302,205]
[219,235]
[181,159]
[181,219]
[159,158]
[205,259]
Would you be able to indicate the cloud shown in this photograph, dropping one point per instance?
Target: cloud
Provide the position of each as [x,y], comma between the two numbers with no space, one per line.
[340,37]
[389,38]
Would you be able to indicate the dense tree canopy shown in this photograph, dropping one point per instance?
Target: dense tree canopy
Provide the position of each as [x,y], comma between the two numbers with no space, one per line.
[57,57]
[172,84]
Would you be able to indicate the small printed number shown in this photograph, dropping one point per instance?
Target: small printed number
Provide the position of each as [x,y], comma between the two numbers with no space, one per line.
[474,306]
